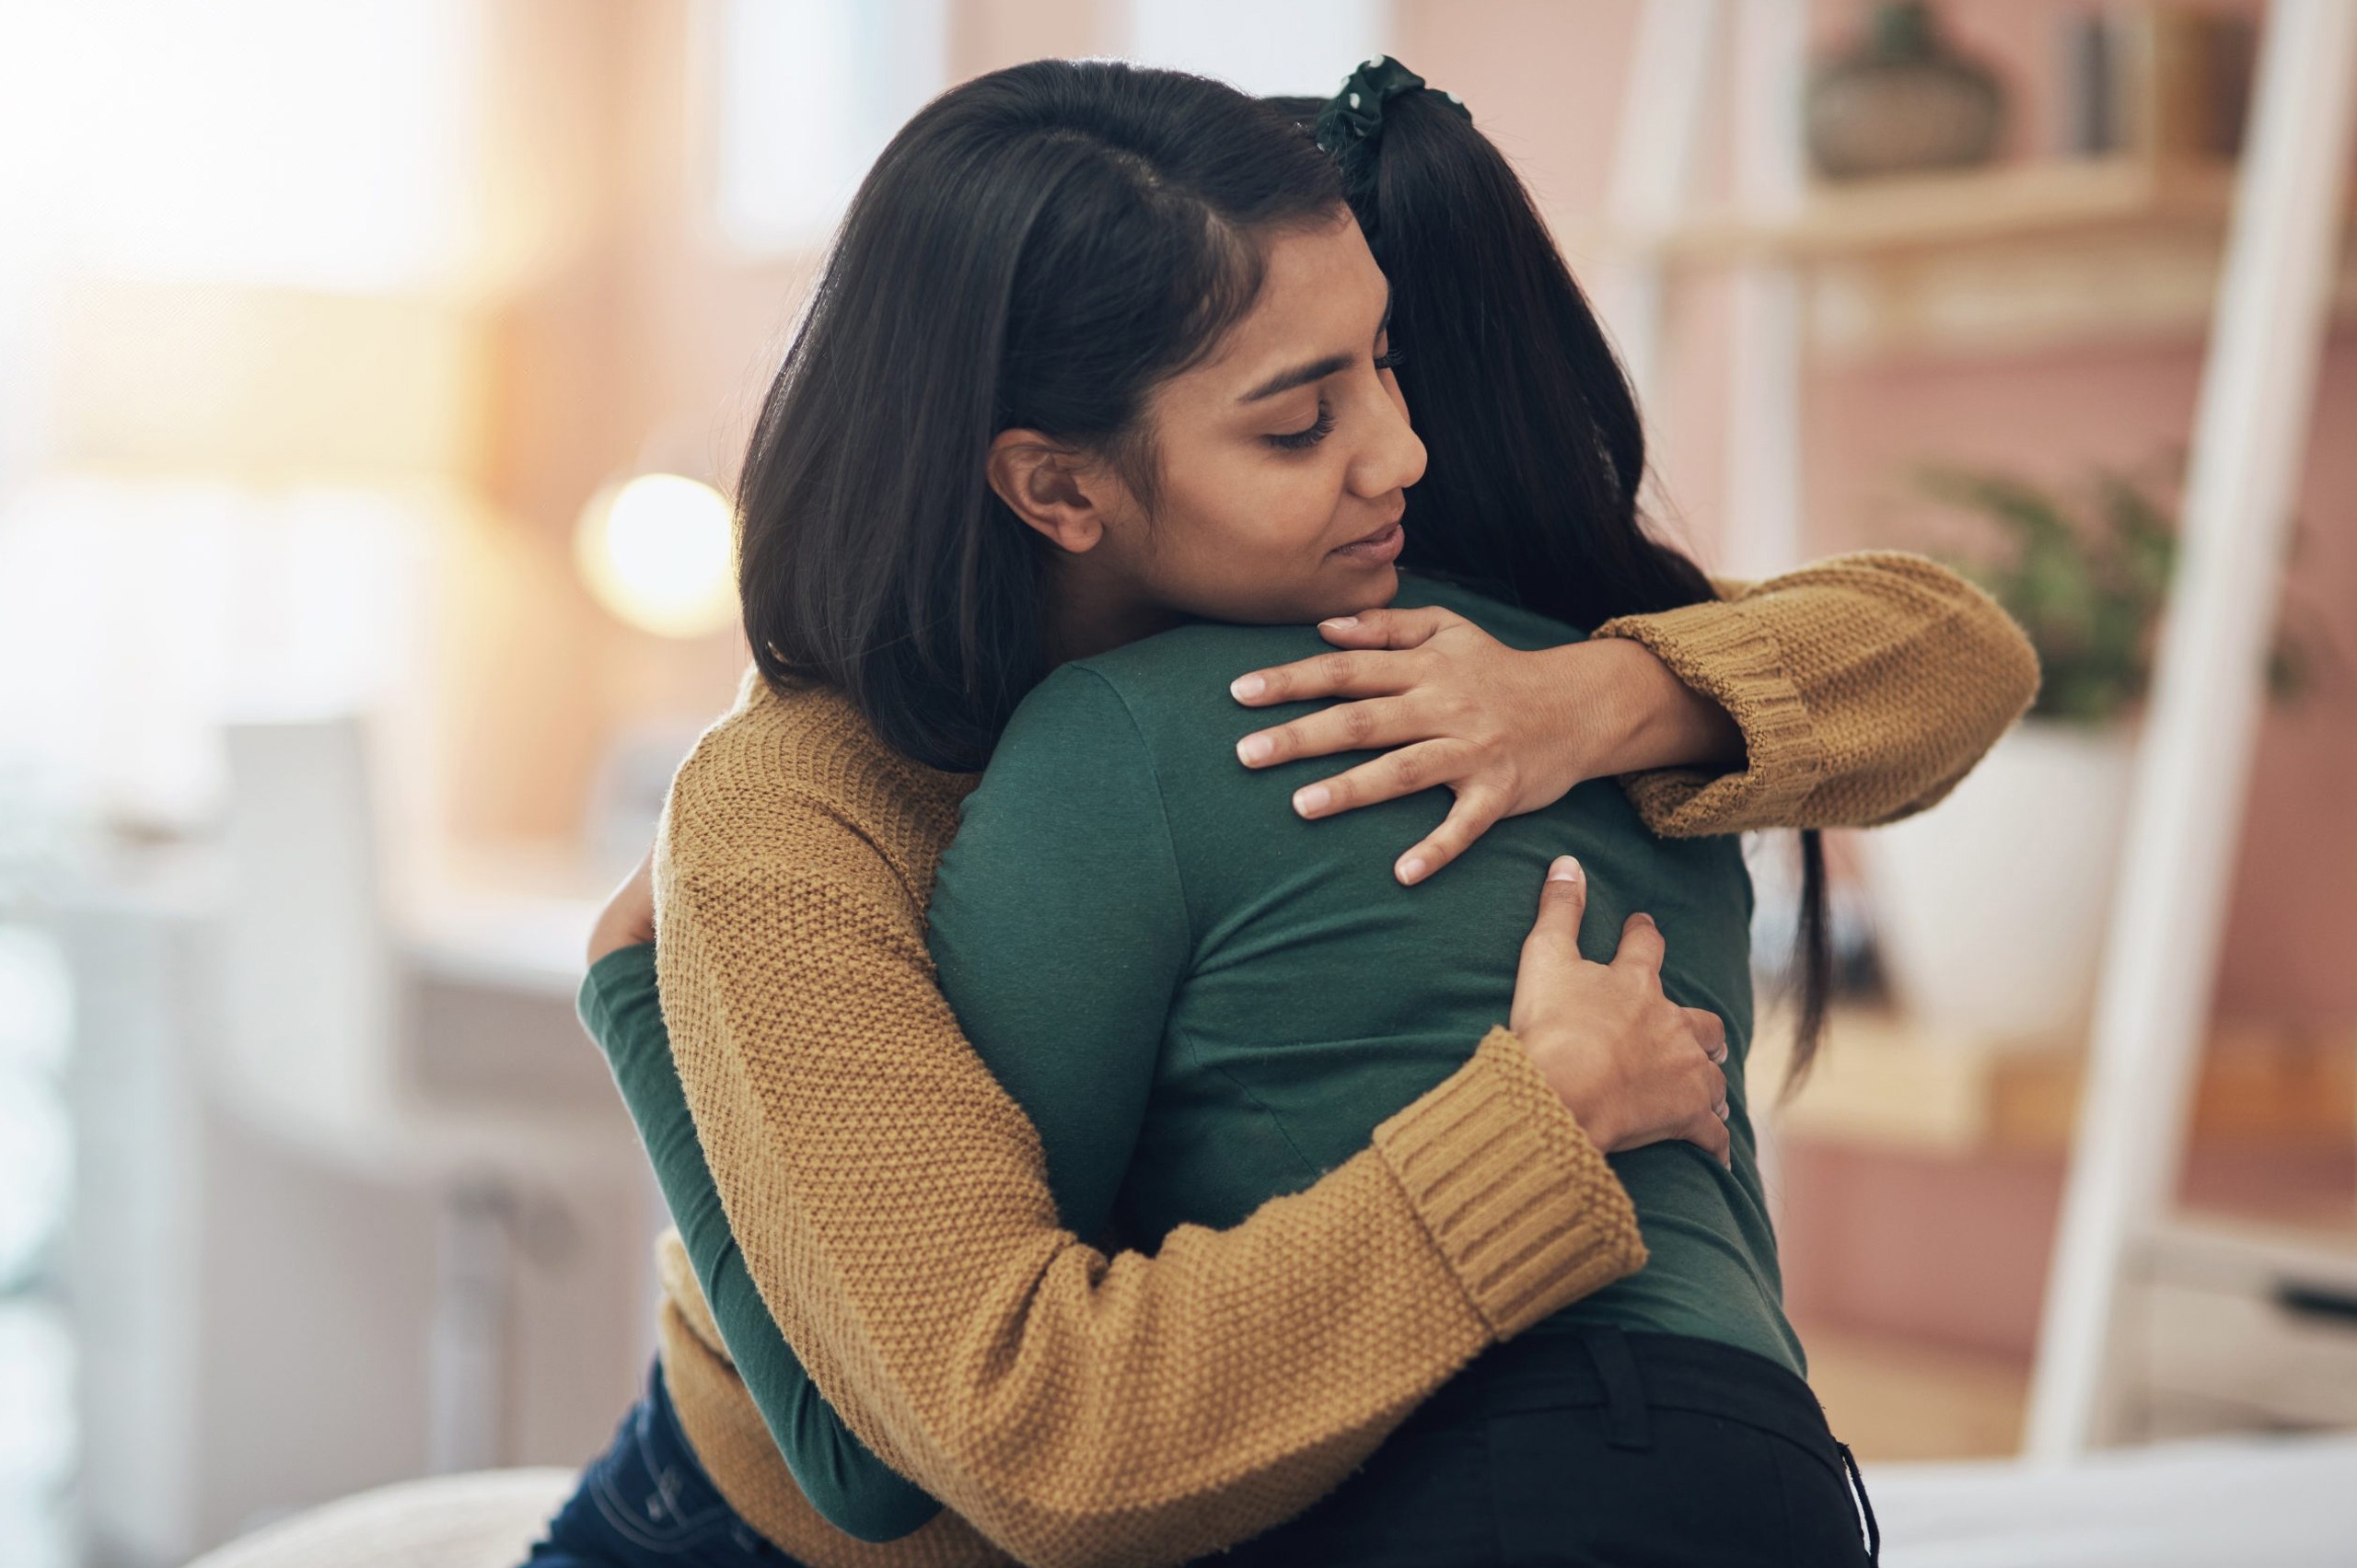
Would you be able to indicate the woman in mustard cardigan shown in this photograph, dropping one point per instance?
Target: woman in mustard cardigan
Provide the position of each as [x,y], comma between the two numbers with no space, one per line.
[887,1202]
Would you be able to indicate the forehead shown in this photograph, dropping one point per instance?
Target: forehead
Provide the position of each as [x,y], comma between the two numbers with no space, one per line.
[1321,294]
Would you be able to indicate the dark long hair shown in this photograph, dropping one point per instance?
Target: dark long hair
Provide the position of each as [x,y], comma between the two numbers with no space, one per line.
[1536,450]
[1037,249]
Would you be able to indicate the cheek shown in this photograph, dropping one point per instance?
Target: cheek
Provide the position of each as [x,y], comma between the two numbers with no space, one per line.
[1257,553]
[1280,514]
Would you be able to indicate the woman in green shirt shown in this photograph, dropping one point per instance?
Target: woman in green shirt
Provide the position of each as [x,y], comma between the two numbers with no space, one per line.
[1204,1000]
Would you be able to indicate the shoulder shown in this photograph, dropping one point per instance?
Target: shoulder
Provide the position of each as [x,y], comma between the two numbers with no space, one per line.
[1515,627]
[794,775]
[1173,687]
[1152,715]
[1071,812]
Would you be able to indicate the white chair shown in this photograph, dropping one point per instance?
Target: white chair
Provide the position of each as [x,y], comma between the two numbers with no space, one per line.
[324,1049]
[488,1520]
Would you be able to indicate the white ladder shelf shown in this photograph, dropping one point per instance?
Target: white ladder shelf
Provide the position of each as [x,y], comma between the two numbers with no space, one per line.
[2269,323]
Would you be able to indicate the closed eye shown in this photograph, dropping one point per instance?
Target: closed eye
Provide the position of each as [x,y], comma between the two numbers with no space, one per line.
[1309,436]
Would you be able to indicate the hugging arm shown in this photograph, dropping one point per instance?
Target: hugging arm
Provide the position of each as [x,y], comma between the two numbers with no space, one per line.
[1846,693]
[894,1214]
[850,1488]
[1866,686]
[1075,1045]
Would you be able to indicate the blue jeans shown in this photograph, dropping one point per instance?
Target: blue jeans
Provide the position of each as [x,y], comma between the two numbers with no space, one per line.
[646,1502]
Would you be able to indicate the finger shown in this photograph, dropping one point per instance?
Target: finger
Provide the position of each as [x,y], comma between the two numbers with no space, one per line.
[1709,1134]
[1366,726]
[1386,628]
[1710,1032]
[1389,776]
[1555,935]
[1474,814]
[1640,945]
[1370,673]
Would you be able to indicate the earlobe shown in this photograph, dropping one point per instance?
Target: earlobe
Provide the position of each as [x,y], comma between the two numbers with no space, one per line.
[1044,483]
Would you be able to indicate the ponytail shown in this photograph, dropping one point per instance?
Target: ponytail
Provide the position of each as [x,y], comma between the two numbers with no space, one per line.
[1537,449]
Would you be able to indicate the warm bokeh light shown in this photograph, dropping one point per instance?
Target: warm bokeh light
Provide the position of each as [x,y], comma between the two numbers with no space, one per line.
[659,552]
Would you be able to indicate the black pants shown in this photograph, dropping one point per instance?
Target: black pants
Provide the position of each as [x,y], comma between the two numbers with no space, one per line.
[1603,1448]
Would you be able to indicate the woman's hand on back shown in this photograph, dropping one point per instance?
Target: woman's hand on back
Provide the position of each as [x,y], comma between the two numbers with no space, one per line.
[1507,730]
[1631,1065]
[628,918]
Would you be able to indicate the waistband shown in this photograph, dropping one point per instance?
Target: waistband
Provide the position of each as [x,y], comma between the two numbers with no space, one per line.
[1628,1374]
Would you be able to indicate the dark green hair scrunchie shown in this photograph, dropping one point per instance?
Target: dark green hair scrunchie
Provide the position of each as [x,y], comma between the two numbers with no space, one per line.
[1350,128]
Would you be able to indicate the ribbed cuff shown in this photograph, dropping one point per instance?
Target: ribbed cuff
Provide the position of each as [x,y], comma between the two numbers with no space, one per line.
[1517,1199]
[1728,656]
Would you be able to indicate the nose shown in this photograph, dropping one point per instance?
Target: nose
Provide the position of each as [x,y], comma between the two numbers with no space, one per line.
[1392,456]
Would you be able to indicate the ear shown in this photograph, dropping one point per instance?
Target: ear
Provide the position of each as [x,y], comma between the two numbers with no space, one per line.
[1051,487]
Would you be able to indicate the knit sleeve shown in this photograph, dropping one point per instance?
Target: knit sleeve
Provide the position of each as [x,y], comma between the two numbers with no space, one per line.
[891,1204]
[1866,686]
[852,1490]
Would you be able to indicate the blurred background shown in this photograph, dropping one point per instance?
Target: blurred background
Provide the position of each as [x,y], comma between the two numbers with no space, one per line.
[370,376]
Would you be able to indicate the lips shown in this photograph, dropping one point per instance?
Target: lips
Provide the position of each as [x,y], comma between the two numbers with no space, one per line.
[1377,548]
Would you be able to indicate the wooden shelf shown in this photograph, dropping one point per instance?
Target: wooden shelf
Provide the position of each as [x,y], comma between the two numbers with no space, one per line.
[1883,1082]
[2010,259]
[2047,199]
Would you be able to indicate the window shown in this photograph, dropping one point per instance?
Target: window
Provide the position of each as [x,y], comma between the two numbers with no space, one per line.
[808,91]
[1303,46]
[273,142]
[136,615]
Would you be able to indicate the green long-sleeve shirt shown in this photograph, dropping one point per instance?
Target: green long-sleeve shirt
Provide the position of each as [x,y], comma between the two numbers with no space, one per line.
[1204,1001]
[853,1490]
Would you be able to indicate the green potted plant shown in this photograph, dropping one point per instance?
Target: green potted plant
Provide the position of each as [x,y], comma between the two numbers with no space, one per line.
[1990,910]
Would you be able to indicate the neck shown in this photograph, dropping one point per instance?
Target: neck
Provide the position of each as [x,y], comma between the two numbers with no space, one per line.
[1092,611]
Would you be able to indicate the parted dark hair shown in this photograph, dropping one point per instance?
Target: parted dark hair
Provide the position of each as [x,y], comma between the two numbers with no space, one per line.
[1040,248]
[1037,249]
[1534,445]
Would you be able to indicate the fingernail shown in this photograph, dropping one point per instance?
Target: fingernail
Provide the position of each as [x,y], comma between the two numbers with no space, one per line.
[1648,920]
[1254,749]
[1564,869]
[1340,622]
[1412,870]
[1312,799]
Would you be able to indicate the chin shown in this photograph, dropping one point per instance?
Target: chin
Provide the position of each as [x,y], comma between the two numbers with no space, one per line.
[1374,589]
[1369,587]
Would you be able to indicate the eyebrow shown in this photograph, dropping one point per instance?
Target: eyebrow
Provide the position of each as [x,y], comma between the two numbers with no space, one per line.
[1317,369]
[1299,375]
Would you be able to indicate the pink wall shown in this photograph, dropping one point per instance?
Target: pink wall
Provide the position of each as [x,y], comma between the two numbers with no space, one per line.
[2291,948]
[1544,78]
[1545,81]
